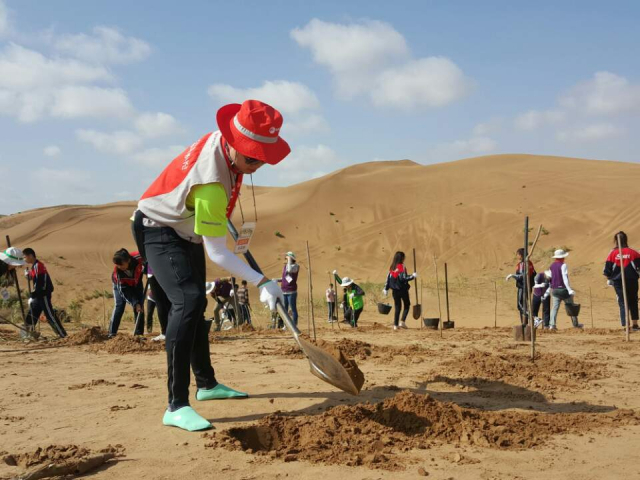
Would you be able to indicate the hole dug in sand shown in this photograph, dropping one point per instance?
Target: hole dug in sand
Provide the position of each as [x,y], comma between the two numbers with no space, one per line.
[374,435]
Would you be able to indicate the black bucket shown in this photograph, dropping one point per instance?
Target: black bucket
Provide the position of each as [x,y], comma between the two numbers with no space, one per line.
[431,322]
[572,310]
[384,308]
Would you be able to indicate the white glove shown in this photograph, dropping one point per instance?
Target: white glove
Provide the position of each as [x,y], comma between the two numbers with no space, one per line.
[335,272]
[26,273]
[609,283]
[571,293]
[510,276]
[415,275]
[270,292]
[385,292]
[545,296]
[30,301]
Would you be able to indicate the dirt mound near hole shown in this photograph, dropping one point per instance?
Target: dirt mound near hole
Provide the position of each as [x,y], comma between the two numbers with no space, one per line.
[548,372]
[93,383]
[57,454]
[122,344]
[373,435]
[87,336]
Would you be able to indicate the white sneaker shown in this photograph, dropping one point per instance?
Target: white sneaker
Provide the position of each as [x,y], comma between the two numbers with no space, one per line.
[395,328]
[403,325]
[159,338]
[537,321]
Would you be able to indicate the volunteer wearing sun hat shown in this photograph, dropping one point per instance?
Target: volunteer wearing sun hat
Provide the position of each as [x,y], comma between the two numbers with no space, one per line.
[11,258]
[559,288]
[183,214]
[354,299]
[290,284]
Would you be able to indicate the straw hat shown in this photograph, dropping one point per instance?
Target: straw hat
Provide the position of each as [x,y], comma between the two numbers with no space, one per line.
[12,256]
[560,253]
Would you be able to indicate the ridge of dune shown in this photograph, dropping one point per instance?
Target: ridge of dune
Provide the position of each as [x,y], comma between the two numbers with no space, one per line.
[468,213]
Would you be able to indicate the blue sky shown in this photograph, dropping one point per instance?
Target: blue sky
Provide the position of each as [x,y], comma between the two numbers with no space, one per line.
[96,97]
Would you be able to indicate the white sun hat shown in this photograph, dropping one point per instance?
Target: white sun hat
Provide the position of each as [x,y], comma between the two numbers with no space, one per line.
[12,256]
[209,286]
[346,281]
[560,253]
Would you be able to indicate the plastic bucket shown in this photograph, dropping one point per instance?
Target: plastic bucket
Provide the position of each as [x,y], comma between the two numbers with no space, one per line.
[384,308]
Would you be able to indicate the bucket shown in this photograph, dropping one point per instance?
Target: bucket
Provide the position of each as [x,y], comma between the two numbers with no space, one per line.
[431,322]
[572,310]
[384,308]
[448,324]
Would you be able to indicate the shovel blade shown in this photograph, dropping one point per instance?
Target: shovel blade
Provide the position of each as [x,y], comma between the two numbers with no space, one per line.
[417,312]
[323,365]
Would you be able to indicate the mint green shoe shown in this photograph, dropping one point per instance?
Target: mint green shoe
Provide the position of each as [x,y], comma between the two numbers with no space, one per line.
[186,418]
[219,392]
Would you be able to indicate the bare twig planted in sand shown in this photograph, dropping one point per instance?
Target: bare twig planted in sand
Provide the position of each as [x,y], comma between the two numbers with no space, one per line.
[591,306]
[529,291]
[313,318]
[417,308]
[495,312]
[624,289]
[435,264]
[15,280]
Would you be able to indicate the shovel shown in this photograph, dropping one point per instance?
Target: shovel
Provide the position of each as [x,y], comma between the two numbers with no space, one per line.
[322,364]
[448,323]
[417,308]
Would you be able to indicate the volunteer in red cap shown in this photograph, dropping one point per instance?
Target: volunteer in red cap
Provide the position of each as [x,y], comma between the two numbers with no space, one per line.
[183,214]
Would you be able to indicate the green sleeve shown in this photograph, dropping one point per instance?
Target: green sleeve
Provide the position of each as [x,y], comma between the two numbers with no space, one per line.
[210,205]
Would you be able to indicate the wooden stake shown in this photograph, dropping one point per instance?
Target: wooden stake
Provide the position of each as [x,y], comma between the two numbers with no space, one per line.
[526,295]
[15,280]
[591,306]
[313,319]
[624,289]
[438,290]
[495,313]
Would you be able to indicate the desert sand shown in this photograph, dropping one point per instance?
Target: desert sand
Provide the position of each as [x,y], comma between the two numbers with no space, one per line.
[467,405]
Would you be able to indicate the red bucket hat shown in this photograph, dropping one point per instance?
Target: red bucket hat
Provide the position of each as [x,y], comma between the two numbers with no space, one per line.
[253,129]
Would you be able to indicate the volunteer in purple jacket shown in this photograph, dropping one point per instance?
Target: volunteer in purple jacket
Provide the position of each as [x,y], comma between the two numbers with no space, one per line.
[290,284]
[560,289]
[183,214]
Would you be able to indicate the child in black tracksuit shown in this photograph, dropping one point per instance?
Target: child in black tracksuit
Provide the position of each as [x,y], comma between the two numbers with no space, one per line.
[127,288]
[40,298]
[398,281]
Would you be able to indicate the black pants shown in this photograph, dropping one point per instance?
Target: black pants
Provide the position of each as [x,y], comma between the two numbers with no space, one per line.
[180,269]
[400,297]
[160,303]
[546,308]
[43,304]
[352,316]
[632,300]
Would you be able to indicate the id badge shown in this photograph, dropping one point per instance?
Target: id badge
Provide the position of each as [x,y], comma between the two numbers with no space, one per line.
[244,237]
[289,278]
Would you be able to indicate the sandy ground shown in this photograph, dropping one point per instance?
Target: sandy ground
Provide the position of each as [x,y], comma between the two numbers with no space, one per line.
[86,396]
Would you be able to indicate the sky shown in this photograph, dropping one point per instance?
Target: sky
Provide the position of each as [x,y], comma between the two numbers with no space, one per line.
[96,98]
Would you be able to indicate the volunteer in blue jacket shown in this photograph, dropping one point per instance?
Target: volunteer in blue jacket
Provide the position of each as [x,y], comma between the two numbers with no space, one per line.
[183,214]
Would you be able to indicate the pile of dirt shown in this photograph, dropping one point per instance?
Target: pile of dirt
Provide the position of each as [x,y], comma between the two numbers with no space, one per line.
[93,383]
[127,344]
[373,435]
[335,350]
[87,336]
[548,372]
[57,454]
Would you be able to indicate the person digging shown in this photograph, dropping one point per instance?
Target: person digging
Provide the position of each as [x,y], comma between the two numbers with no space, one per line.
[183,214]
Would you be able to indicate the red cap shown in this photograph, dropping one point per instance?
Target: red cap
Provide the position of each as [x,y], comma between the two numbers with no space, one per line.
[253,129]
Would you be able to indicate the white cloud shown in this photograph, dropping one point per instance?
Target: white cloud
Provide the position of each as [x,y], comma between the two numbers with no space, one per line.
[287,97]
[62,182]
[352,51]
[158,124]
[372,58]
[490,127]
[428,82]
[534,119]
[106,46]
[594,133]
[52,151]
[24,70]
[307,162]
[471,147]
[605,94]
[121,142]
[309,124]
[95,102]
[158,157]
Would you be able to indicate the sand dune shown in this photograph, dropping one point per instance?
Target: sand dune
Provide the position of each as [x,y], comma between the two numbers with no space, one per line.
[468,213]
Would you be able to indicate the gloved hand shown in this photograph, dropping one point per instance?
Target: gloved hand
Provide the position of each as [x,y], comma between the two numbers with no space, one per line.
[26,273]
[571,293]
[545,296]
[30,301]
[270,292]
[510,276]
[415,275]
[335,272]
[609,283]
[385,292]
